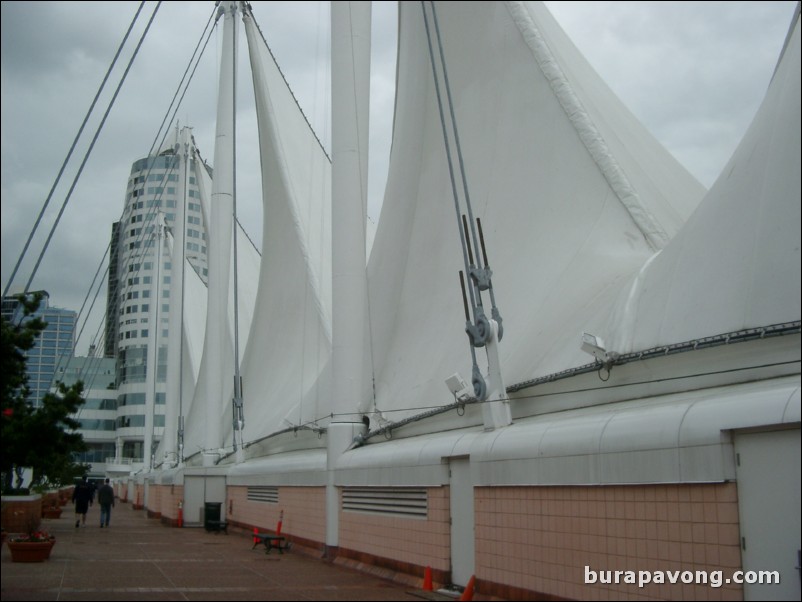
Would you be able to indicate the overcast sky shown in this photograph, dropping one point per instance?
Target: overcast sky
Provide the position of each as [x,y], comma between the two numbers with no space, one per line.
[693,72]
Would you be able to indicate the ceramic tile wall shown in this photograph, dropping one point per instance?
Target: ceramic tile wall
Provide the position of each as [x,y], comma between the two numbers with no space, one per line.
[421,542]
[304,511]
[541,539]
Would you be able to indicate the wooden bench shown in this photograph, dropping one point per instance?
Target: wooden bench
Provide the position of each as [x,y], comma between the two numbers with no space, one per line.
[215,526]
[279,542]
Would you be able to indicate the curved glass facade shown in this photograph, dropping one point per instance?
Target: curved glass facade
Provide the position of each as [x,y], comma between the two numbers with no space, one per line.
[141,288]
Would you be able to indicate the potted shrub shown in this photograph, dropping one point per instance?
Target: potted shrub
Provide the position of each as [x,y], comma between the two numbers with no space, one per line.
[34,545]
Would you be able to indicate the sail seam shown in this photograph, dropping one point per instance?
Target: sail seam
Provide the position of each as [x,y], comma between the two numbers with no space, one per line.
[588,133]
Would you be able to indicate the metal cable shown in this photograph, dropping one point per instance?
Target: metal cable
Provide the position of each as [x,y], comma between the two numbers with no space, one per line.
[773,330]
[448,148]
[69,153]
[89,151]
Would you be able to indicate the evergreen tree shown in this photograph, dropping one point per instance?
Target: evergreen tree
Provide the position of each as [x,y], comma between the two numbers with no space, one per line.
[41,438]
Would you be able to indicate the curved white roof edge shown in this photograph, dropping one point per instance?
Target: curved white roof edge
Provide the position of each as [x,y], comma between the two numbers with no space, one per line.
[673,438]
[169,476]
[304,468]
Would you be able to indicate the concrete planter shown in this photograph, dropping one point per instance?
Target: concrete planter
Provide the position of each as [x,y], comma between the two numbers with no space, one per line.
[52,512]
[30,551]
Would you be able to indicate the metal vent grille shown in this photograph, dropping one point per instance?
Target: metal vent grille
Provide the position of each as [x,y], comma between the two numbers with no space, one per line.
[393,501]
[266,493]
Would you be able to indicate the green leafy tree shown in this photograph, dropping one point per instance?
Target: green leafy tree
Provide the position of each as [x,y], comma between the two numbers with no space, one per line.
[41,438]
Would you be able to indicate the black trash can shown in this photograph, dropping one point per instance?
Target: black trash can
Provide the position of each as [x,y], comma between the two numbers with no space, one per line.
[211,516]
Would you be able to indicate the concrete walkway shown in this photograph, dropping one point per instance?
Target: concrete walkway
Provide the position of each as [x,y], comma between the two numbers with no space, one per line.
[140,559]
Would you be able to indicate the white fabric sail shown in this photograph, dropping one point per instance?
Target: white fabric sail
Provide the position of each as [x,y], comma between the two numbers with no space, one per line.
[195,306]
[284,367]
[573,193]
[194,319]
[194,314]
[736,263]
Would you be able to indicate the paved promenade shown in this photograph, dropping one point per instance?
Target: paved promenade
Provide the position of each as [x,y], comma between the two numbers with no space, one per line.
[140,559]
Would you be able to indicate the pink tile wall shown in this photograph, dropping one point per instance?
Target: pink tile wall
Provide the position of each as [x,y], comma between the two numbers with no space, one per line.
[121,491]
[139,496]
[541,538]
[154,499]
[170,496]
[416,541]
[304,511]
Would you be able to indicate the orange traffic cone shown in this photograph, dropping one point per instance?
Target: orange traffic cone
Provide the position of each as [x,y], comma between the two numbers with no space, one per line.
[468,593]
[280,520]
[427,579]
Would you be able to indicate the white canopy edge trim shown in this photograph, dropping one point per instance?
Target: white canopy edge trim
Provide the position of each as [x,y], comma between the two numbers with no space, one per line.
[590,136]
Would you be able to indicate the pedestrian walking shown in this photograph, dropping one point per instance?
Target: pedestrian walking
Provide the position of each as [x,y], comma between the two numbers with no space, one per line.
[105,497]
[83,496]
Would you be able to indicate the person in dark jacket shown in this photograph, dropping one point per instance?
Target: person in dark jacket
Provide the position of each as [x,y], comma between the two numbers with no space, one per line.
[105,497]
[83,496]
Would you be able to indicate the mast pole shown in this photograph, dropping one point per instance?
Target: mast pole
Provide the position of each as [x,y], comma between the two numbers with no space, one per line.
[154,330]
[350,91]
[218,346]
[237,405]
[175,336]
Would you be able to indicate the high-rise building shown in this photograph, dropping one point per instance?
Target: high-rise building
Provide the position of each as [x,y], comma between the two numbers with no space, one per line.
[52,348]
[98,414]
[160,187]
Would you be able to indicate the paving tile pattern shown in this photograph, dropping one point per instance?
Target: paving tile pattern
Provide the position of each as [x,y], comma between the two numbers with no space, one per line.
[140,559]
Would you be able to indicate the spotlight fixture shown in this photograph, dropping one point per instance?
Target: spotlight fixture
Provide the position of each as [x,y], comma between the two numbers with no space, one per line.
[595,346]
[458,388]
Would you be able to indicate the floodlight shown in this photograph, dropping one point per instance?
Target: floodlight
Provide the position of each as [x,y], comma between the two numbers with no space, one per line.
[458,388]
[455,383]
[595,346]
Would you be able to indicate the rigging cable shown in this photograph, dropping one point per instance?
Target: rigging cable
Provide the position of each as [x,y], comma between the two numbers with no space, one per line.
[479,331]
[323,335]
[273,57]
[69,153]
[104,318]
[183,77]
[158,143]
[773,330]
[481,277]
[89,150]
[75,339]
[151,213]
